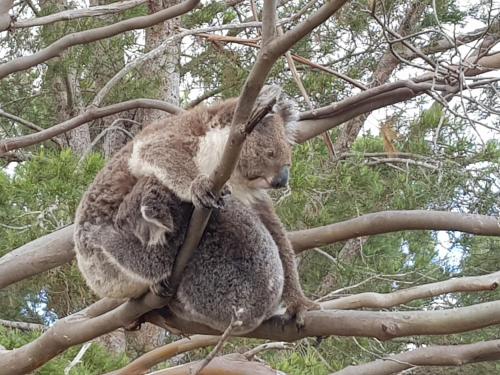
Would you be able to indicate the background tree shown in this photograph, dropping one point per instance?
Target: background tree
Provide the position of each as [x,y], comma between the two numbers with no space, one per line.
[408,96]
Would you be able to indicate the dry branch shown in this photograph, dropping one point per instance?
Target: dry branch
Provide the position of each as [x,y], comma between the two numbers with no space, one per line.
[73,14]
[449,355]
[92,35]
[90,114]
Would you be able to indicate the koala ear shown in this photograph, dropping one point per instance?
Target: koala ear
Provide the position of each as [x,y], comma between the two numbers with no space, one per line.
[287,109]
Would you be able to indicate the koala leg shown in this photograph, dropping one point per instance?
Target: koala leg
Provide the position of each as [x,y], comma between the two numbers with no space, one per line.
[297,304]
[145,211]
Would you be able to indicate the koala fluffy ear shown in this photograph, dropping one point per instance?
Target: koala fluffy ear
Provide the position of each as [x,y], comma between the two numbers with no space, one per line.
[287,109]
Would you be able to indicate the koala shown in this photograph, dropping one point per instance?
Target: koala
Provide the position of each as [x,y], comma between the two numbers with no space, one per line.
[132,220]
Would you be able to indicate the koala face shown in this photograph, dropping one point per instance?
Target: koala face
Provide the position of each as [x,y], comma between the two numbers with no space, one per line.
[266,156]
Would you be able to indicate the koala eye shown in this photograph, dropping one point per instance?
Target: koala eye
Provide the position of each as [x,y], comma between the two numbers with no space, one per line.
[270,153]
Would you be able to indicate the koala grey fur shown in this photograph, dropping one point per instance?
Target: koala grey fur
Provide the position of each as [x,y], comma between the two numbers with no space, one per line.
[132,219]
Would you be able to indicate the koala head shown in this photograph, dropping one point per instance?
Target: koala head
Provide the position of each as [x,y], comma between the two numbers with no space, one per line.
[266,156]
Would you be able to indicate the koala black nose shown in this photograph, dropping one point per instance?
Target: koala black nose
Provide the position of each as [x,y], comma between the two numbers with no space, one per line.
[281,179]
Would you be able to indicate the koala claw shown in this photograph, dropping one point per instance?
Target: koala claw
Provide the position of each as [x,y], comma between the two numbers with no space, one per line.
[135,325]
[202,195]
[298,308]
[162,288]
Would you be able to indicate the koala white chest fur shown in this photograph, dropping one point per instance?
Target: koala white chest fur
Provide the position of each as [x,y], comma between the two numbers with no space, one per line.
[132,220]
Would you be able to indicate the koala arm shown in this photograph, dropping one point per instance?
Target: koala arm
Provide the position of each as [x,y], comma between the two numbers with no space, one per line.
[171,161]
[162,158]
[293,296]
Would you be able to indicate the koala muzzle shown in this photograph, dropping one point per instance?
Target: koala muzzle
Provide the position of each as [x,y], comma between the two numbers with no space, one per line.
[281,179]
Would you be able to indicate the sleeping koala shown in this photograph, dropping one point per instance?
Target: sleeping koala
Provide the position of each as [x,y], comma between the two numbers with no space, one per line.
[125,244]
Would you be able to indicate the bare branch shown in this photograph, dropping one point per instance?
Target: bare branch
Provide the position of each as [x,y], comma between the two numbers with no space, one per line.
[158,51]
[37,256]
[279,345]
[145,362]
[22,325]
[386,300]
[73,14]
[85,325]
[26,123]
[392,221]
[20,120]
[90,114]
[449,355]
[88,36]
[235,323]
[282,44]
[382,325]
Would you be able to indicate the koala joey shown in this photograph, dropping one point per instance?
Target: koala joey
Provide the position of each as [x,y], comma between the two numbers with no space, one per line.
[133,218]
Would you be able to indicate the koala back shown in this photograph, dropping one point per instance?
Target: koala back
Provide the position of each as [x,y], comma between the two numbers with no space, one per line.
[237,264]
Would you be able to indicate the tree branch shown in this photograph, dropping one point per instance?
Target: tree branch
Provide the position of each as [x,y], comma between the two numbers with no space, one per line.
[56,248]
[392,221]
[37,256]
[90,114]
[231,364]
[88,36]
[381,325]
[446,355]
[488,282]
[86,325]
[23,325]
[142,364]
[73,14]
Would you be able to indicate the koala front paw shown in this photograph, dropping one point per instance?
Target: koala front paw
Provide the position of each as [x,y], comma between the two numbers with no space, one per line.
[297,309]
[162,288]
[202,193]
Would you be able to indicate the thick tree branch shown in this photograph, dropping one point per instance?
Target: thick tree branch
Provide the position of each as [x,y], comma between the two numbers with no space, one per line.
[73,14]
[382,325]
[56,248]
[449,355]
[86,325]
[42,254]
[88,36]
[392,221]
[90,114]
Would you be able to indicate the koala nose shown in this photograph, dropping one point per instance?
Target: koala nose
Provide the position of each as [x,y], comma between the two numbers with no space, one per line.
[281,179]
